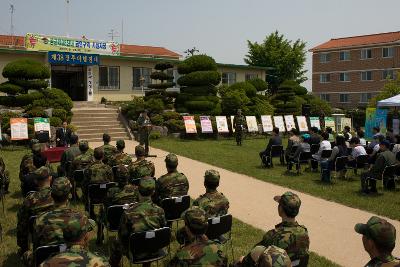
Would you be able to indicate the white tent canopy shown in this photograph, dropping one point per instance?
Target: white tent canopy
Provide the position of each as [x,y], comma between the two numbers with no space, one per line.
[394,101]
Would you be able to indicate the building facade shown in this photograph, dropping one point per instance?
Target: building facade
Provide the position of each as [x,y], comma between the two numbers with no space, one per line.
[348,72]
[116,77]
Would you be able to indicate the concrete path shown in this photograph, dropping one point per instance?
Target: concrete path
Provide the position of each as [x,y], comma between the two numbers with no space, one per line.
[330,225]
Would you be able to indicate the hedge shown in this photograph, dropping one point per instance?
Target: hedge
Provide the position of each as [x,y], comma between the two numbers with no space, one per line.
[169,115]
[27,68]
[26,99]
[30,84]
[55,121]
[195,106]
[200,78]
[11,89]
[159,75]
[161,85]
[259,84]
[200,90]
[197,63]
[8,101]
[175,125]
[163,66]
[36,112]
[246,86]
[157,120]
[60,113]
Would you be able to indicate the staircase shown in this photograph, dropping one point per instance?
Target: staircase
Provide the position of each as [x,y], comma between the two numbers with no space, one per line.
[94,119]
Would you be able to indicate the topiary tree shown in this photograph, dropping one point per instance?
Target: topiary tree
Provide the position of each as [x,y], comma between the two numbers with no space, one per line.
[198,86]
[284,100]
[24,75]
[259,84]
[162,81]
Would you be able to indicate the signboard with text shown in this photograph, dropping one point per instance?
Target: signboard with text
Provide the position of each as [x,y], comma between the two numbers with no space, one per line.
[266,121]
[67,58]
[206,125]
[222,124]
[190,124]
[19,128]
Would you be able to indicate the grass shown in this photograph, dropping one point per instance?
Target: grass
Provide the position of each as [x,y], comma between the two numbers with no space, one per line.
[244,235]
[245,159]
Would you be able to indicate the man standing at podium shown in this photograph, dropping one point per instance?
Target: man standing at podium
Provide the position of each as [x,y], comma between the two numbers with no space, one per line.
[63,135]
[144,124]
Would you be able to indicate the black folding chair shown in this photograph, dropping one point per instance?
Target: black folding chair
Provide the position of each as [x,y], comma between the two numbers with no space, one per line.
[326,153]
[220,229]
[151,244]
[340,164]
[389,176]
[276,151]
[304,157]
[174,207]
[361,162]
[42,253]
[392,146]
[302,262]
[314,148]
[31,230]
[349,150]
[97,193]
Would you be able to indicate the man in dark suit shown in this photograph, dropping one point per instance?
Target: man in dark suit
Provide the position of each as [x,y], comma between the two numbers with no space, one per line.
[275,140]
[63,135]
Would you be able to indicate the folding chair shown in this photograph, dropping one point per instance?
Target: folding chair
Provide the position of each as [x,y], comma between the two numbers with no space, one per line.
[174,207]
[326,153]
[392,146]
[340,164]
[276,151]
[97,193]
[314,148]
[77,178]
[388,175]
[31,230]
[302,262]
[218,227]
[349,150]
[361,163]
[152,244]
[304,157]
[42,253]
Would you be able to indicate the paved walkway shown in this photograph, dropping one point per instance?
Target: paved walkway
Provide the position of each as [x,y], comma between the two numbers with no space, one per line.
[330,225]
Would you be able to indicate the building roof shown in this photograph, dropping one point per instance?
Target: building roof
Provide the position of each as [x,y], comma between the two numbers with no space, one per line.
[8,41]
[357,41]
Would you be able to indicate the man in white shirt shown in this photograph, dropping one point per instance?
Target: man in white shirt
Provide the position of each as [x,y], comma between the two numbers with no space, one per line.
[324,145]
[358,150]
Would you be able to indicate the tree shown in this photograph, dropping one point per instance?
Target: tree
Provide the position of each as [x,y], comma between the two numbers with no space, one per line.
[287,58]
[284,100]
[391,88]
[162,81]
[259,84]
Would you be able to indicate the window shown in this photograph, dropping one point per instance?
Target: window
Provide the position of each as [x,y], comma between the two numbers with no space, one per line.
[387,52]
[366,76]
[325,97]
[365,97]
[324,78]
[174,73]
[324,57]
[228,78]
[344,77]
[387,74]
[344,55]
[250,76]
[344,98]
[141,73]
[366,53]
[108,77]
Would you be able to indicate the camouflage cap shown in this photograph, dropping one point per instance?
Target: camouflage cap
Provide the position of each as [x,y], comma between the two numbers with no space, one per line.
[195,218]
[61,187]
[83,145]
[121,173]
[139,151]
[290,202]
[379,230]
[171,160]
[147,185]
[36,147]
[42,173]
[120,143]
[270,257]
[211,176]
[77,226]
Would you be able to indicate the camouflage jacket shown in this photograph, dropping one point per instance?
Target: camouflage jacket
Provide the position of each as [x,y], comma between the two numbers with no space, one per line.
[82,161]
[201,252]
[119,196]
[50,225]
[239,122]
[141,168]
[76,256]
[213,203]
[386,261]
[98,172]
[68,156]
[120,158]
[4,174]
[289,236]
[173,184]
[26,166]
[34,204]
[109,152]
[142,216]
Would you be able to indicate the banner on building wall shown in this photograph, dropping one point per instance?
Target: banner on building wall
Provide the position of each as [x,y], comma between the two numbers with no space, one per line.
[222,124]
[233,126]
[302,123]
[252,125]
[42,124]
[314,122]
[39,42]
[19,128]
[206,125]
[67,58]
[278,122]
[89,81]
[330,122]
[289,122]
[190,124]
[266,121]
[345,122]
[369,121]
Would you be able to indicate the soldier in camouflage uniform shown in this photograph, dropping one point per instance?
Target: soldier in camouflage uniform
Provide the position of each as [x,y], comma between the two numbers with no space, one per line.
[139,217]
[34,204]
[141,167]
[109,150]
[4,176]
[212,202]
[76,235]
[266,257]
[200,252]
[379,240]
[172,184]
[68,156]
[239,122]
[144,125]
[26,166]
[123,194]
[83,160]
[288,235]
[120,157]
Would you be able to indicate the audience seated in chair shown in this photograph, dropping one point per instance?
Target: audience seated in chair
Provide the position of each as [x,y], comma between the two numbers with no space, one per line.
[324,145]
[315,138]
[294,140]
[274,140]
[328,165]
[302,147]
[360,135]
[357,150]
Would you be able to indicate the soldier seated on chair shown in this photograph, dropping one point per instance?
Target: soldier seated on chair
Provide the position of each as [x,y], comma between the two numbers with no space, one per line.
[141,167]
[120,157]
[109,150]
[261,256]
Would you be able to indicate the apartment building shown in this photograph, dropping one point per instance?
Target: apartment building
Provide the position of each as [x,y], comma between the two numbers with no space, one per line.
[348,72]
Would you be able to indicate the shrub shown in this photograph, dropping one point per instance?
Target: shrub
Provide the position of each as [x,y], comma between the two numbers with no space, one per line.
[234,100]
[200,78]
[5,120]
[260,107]
[36,112]
[199,90]
[28,68]
[175,126]
[103,100]
[259,84]
[55,121]
[11,89]
[133,108]
[27,99]
[170,115]
[246,86]
[164,85]
[155,135]
[197,63]
[199,106]
[8,101]
[222,89]
[159,75]
[154,105]
[60,113]
[163,66]
[157,120]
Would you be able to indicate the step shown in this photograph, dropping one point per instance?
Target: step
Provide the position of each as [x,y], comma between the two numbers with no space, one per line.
[96,116]
[90,111]
[99,126]
[100,138]
[96,131]
[94,119]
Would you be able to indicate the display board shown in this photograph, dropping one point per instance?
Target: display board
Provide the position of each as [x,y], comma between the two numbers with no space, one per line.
[289,122]
[19,128]
[190,124]
[266,121]
[278,122]
[330,122]
[222,124]
[42,124]
[302,123]
[233,126]
[252,125]
[345,122]
[206,125]
[314,122]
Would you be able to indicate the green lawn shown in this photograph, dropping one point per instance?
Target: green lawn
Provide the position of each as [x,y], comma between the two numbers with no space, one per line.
[244,236]
[245,159]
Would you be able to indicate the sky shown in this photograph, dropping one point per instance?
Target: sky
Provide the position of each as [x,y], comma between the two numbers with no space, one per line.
[219,28]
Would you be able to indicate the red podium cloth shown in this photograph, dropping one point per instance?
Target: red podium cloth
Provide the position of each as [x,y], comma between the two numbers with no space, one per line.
[53,154]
